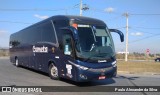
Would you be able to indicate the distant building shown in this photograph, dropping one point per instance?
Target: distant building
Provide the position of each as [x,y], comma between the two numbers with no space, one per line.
[122,52]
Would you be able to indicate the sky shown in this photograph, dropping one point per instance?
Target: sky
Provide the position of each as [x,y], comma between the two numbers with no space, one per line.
[144,18]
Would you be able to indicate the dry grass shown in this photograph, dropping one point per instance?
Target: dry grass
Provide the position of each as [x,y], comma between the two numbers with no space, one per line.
[139,67]
[2,54]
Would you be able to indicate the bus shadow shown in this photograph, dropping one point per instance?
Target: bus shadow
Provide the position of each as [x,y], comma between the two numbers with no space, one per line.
[129,78]
[90,83]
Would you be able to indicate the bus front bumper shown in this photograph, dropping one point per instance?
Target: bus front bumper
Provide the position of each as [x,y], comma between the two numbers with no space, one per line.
[96,74]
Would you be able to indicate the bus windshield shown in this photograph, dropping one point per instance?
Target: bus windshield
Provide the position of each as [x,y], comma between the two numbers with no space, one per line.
[95,42]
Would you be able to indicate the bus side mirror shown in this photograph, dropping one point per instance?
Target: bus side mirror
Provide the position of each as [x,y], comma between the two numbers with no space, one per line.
[119,32]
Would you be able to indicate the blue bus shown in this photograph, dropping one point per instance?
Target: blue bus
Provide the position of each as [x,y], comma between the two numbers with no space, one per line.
[72,47]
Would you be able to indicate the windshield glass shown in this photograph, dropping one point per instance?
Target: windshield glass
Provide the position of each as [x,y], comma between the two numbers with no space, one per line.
[95,42]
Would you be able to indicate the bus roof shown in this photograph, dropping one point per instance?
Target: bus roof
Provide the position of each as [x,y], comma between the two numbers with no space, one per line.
[77,19]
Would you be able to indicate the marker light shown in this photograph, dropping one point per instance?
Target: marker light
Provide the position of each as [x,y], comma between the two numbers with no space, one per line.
[114,64]
[75,25]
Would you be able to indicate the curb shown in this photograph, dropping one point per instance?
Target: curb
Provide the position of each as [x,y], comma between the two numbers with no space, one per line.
[6,57]
[145,73]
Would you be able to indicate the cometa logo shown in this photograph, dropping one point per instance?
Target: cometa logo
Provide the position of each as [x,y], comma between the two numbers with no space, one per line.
[40,49]
[99,61]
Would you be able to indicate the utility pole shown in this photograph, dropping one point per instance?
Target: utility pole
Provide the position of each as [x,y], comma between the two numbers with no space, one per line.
[126,53]
[80,7]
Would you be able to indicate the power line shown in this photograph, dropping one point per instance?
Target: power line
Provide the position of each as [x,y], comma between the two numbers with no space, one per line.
[144,38]
[103,11]
[63,9]
[113,18]
[141,31]
[118,13]
[147,27]
[15,22]
[38,9]
[118,28]
[35,9]
[139,14]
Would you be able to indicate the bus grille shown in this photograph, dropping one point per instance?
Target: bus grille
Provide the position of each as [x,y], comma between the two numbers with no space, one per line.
[100,70]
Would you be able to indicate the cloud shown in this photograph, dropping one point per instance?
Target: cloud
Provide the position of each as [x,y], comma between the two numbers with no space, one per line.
[40,16]
[109,9]
[3,33]
[136,34]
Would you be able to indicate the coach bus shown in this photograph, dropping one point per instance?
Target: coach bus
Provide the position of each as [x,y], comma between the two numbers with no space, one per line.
[73,47]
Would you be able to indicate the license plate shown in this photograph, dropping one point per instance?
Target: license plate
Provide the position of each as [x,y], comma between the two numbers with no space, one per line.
[102,77]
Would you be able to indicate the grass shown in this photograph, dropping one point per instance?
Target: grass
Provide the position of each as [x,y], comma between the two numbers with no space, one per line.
[4,52]
[139,67]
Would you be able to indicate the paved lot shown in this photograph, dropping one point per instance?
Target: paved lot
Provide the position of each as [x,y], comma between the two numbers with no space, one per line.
[13,76]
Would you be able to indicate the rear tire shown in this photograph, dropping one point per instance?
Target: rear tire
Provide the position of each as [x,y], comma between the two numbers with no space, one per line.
[53,72]
[17,62]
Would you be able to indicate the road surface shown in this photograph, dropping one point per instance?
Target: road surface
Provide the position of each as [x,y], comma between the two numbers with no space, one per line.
[10,75]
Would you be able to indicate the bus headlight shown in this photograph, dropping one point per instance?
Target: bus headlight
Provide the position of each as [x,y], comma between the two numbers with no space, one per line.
[81,67]
[78,66]
[114,64]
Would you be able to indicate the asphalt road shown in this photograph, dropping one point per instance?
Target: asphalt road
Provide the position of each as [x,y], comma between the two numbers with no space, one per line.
[10,75]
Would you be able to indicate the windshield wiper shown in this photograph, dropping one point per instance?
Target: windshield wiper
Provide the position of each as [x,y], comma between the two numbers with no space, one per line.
[93,46]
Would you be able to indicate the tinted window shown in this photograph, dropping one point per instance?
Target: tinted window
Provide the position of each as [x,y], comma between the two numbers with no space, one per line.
[58,25]
[14,41]
[34,35]
[41,32]
[48,34]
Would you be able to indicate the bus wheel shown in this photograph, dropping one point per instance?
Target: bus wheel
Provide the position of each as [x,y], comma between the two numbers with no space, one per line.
[17,63]
[53,72]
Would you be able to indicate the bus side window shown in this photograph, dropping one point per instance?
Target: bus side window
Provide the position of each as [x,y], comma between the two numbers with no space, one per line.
[67,43]
[47,33]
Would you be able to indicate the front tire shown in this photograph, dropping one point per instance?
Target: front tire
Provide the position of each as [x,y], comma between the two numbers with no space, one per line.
[53,72]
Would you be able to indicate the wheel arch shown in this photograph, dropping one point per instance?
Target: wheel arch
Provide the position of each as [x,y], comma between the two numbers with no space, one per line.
[15,58]
[51,62]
